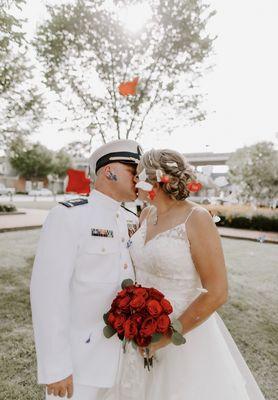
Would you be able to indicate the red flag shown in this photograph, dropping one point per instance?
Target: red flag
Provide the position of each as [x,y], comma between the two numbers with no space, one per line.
[128,88]
[78,182]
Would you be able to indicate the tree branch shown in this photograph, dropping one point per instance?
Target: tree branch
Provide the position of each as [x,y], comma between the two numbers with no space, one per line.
[147,112]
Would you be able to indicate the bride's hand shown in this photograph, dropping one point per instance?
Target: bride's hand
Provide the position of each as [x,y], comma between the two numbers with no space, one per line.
[153,347]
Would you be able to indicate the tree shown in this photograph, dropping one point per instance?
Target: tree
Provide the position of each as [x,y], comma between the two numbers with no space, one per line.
[21,105]
[86,42]
[61,163]
[254,170]
[32,161]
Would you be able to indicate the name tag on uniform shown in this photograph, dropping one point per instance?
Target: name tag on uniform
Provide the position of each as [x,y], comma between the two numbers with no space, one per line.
[132,228]
[102,232]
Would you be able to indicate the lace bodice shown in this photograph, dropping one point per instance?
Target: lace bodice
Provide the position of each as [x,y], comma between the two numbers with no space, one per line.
[165,263]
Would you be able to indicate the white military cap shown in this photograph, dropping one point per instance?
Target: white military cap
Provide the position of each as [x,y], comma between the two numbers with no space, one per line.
[123,151]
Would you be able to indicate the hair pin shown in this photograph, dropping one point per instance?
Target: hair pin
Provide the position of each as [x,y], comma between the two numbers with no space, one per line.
[143,175]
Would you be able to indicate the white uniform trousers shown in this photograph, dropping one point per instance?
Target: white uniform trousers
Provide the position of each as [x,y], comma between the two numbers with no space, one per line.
[82,392]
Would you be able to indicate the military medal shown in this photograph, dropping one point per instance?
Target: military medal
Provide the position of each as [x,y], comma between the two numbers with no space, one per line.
[102,232]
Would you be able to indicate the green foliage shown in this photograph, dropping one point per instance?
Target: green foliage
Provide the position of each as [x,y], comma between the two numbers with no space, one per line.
[254,170]
[156,337]
[256,222]
[11,27]
[126,283]
[177,325]
[85,40]
[108,331]
[177,339]
[61,163]
[34,161]
[31,161]
[20,101]
[7,208]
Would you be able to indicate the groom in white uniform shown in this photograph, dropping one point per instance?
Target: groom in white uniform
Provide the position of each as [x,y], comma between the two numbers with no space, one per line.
[81,260]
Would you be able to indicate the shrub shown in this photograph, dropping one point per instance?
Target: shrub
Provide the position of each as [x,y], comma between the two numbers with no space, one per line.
[256,222]
[245,217]
[7,208]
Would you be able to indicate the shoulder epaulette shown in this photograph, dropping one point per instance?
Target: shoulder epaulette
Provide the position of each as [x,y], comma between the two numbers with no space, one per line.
[74,202]
[127,209]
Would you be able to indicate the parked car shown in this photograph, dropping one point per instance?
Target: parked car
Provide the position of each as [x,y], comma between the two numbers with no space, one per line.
[40,192]
[6,191]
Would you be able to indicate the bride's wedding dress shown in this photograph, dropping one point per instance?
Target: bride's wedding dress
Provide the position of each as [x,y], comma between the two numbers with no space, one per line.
[209,365]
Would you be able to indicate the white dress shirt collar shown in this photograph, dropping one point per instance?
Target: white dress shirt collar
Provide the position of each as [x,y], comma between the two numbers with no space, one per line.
[105,201]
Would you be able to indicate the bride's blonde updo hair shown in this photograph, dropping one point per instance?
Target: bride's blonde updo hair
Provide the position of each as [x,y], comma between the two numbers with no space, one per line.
[170,163]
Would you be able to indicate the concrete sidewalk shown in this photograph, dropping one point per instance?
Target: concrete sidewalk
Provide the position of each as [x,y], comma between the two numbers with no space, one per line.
[248,234]
[34,218]
[31,219]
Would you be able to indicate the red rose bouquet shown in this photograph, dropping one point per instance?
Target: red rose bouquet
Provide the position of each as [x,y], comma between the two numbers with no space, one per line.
[140,315]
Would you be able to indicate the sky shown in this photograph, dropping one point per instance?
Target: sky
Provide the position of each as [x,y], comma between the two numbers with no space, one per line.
[241,91]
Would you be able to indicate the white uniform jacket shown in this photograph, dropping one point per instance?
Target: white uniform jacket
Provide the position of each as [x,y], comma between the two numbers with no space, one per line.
[81,260]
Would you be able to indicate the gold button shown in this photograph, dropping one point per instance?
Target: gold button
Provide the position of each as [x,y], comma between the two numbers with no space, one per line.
[125,266]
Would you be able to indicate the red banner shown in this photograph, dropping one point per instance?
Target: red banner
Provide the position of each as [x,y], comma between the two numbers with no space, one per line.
[78,182]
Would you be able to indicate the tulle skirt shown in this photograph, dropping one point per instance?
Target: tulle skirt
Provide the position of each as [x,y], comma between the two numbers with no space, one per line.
[208,366]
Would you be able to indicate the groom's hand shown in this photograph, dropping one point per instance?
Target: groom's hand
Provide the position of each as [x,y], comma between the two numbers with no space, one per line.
[61,388]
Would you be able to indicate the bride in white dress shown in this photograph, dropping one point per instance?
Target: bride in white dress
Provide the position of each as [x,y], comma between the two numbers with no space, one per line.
[178,251]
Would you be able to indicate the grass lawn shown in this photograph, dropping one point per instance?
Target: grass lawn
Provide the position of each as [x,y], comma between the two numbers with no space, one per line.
[251,313]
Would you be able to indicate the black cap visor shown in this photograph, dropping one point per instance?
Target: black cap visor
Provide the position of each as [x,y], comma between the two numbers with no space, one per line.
[123,157]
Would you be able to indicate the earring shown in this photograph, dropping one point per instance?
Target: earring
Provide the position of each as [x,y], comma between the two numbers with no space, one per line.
[151,194]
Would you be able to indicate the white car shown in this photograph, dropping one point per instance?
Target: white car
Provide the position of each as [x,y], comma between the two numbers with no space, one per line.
[6,191]
[40,192]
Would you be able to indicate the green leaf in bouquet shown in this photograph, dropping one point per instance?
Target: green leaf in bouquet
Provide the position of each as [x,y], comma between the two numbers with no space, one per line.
[124,342]
[105,318]
[177,339]
[134,345]
[156,337]
[126,283]
[108,331]
[177,326]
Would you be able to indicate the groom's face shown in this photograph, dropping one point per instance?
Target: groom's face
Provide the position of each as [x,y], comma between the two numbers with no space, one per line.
[125,184]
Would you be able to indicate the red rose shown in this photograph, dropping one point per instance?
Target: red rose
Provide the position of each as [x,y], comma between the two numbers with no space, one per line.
[163,323]
[156,294]
[111,319]
[114,304]
[142,341]
[123,303]
[167,306]
[148,327]
[122,293]
[154,308]
[130,289]
[137,318]
[118,323]
[139,291]
[130,328]
[137,302]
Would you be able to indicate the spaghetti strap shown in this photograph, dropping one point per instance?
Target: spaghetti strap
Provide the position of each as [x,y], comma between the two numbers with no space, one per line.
[146,217]
[191,211]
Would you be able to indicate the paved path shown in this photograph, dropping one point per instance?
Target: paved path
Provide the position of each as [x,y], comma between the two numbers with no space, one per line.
[248,234]
[34,219]
[30,220]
